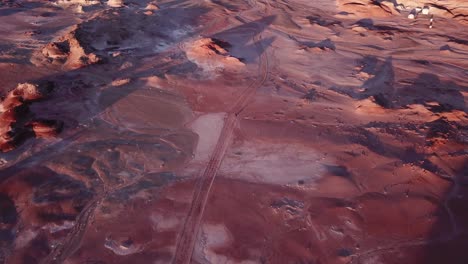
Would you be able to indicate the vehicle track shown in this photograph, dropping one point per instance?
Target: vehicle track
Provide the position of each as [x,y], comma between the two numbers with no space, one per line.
[188,235]
[74,237]
[186,241]
[73,240]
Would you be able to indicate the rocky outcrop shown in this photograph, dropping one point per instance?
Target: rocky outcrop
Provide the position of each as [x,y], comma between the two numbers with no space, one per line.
[212,54]
[17,123]
[72,51]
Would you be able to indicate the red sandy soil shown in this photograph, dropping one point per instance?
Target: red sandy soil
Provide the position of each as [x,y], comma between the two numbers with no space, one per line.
[221,131]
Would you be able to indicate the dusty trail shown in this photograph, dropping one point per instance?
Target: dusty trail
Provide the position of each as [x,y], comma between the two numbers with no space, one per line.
[73,240]
[187,238]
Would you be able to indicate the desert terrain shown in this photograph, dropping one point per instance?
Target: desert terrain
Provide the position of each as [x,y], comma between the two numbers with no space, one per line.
[234,131]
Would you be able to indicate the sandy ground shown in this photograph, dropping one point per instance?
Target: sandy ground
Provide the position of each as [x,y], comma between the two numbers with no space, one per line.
[221,131]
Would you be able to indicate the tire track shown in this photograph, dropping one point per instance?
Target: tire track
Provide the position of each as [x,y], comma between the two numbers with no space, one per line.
[73,240]
[189,233]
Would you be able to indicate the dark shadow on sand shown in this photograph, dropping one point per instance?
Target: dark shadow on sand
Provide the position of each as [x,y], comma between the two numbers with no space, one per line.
[426,89]
[249,33]
[448,239]
[380,87]
[72,89]
[71,86]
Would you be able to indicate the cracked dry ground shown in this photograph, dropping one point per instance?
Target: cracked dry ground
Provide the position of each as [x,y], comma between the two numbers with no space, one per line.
[231,131]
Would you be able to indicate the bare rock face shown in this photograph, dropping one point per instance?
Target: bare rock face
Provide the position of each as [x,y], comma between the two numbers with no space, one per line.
[17,123]
[212,54]
[215,45]
[81,54]
[115,3]
[152,6]
[44,128]
[67,3]
[71,51]
[57,50]
[32,92]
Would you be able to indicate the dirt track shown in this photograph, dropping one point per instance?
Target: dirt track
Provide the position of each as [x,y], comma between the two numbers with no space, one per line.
[233,132]
[188,235]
